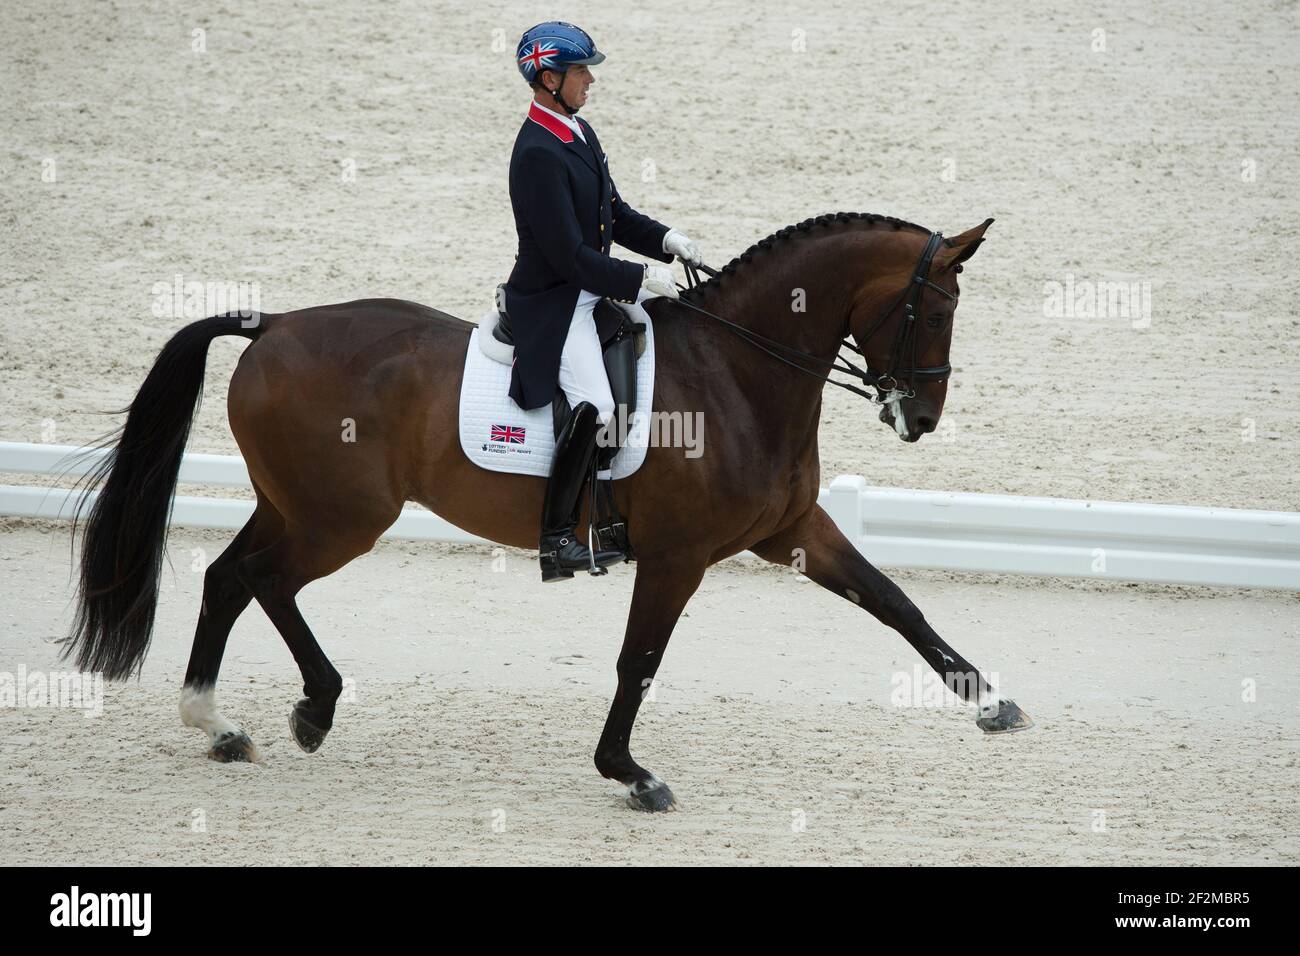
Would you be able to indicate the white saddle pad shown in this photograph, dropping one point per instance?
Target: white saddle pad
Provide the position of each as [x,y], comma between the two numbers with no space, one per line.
[498,435]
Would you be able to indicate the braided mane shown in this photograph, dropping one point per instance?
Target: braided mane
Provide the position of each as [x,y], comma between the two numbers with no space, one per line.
[786,233]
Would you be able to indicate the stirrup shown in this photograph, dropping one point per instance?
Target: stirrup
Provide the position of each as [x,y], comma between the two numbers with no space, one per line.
[556,569]
[594,570]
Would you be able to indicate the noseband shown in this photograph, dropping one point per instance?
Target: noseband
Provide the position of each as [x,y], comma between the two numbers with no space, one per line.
[898,380]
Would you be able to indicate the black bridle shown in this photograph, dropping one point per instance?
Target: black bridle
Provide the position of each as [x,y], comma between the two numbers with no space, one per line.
[898,380]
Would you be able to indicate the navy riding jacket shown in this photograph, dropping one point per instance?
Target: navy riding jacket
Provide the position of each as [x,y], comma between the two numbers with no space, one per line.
[567,212]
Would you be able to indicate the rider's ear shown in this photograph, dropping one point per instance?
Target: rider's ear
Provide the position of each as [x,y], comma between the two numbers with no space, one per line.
[960,248]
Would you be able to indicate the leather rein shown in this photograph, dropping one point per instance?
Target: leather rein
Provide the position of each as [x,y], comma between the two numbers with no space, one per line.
[895,383]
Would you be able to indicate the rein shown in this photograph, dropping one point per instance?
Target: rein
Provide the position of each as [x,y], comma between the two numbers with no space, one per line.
[887,384]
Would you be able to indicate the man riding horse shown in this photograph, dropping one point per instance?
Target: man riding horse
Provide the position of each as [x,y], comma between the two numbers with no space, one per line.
[567,212]
[887,291]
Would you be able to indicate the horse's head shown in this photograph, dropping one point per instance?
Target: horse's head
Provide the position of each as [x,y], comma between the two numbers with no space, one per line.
[902,323]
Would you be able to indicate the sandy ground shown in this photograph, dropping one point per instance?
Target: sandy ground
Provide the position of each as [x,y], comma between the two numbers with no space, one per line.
[474,712]
[728,122]
[1167,159]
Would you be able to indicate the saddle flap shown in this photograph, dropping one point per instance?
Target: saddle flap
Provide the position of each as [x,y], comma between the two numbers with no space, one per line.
[498,435]
[609,320]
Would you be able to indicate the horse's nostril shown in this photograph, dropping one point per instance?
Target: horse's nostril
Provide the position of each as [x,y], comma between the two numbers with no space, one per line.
[925,424]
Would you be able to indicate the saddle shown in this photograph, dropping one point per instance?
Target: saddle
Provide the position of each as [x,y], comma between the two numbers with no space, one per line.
[622,341]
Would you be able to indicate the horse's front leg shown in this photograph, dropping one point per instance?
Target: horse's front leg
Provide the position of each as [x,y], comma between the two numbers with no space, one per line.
[817,548]
[661,591]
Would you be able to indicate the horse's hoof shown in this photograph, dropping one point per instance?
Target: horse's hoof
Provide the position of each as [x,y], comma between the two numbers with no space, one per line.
[1009,719]
[652,796]
[234,747]
[305,734]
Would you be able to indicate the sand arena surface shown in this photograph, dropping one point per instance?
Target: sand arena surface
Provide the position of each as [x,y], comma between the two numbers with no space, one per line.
[1117,166]
[1167,160]
[774,701]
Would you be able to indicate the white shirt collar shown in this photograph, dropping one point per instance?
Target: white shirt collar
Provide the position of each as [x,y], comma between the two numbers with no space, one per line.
[568,121]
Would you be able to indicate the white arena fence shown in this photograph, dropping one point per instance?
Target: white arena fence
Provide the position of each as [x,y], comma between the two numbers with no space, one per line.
[1167,544]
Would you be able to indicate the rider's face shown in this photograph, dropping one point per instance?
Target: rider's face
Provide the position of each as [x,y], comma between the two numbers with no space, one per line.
[576,81]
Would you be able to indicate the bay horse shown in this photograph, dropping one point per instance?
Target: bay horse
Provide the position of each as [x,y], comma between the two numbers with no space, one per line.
[345,412]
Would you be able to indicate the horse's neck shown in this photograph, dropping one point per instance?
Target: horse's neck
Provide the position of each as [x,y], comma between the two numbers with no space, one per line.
[799,304]
[800,301]
[804,308]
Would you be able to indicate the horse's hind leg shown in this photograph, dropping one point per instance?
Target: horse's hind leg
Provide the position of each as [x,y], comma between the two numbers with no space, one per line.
[224,598]
[275,575]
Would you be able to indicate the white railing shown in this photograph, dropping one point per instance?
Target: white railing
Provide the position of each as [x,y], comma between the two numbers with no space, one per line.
[1166,544]
[1169,544]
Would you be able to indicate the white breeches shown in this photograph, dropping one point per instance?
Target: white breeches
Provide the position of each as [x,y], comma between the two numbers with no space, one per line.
[582,367]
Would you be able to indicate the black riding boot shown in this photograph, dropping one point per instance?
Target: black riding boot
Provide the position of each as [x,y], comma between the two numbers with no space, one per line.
[561,551]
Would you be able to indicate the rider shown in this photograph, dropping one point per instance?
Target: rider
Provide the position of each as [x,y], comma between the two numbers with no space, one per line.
[567,212]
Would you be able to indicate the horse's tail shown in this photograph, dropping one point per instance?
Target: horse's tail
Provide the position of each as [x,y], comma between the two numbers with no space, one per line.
[125,535]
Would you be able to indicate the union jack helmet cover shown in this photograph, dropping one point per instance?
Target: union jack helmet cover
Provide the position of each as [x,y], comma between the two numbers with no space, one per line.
[555,45]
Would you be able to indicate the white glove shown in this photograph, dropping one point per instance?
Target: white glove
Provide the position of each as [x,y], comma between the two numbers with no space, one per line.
[680,245]
[658,280]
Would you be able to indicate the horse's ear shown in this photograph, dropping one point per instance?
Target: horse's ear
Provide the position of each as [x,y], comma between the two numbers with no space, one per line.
[961,247]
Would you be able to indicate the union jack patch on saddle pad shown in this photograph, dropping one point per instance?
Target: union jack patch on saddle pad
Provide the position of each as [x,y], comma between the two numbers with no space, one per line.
[498,435]
[510,434]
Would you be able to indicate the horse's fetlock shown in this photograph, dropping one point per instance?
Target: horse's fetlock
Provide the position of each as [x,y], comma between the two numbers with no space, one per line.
[613,766]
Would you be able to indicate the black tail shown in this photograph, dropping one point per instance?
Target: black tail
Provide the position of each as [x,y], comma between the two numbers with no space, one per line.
[126,533]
